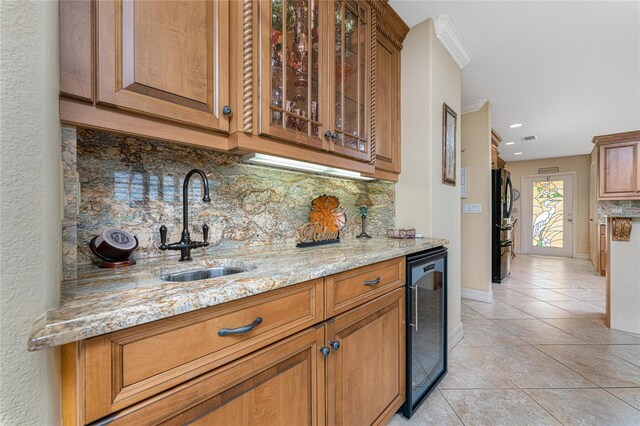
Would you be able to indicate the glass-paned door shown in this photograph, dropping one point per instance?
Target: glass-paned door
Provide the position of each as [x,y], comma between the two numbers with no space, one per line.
[351,79]
[548,218]
[293,69]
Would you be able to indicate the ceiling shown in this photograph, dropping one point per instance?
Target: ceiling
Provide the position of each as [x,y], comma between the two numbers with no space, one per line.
[566,70]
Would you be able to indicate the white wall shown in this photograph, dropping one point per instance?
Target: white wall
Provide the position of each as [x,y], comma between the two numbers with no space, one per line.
[476,227]
[30,207]
[624,278]
[430,77]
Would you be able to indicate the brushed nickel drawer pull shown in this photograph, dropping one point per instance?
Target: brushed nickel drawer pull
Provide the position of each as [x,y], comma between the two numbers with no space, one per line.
[240,330]
[374,282]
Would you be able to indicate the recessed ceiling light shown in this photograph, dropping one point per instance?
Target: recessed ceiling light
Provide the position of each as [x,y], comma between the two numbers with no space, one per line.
[509,143]
[517,153]
[514,125]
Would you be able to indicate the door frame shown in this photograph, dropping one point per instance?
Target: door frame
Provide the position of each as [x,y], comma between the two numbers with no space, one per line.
[574,198]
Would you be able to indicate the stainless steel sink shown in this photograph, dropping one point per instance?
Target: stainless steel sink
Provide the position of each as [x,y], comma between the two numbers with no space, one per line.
[202,274]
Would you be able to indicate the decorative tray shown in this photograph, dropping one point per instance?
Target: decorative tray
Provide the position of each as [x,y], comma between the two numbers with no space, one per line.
[401,233]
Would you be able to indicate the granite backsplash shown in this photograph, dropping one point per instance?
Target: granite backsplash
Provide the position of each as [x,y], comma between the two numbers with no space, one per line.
[136,184]
[618,208]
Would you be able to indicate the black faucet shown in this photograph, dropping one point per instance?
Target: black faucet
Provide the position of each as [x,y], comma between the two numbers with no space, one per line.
[185,244]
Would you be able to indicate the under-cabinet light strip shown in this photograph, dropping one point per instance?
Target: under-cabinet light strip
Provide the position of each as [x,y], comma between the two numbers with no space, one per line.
[285,163]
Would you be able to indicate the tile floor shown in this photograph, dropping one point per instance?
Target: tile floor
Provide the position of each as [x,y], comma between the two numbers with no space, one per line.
[539,354]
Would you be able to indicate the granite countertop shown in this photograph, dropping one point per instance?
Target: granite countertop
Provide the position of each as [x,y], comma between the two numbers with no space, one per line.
[102,301]
[632,215]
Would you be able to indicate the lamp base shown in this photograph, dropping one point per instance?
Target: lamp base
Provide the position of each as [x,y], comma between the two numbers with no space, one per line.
[363,235]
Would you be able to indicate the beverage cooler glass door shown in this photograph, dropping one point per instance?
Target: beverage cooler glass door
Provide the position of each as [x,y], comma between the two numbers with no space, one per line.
[426,326]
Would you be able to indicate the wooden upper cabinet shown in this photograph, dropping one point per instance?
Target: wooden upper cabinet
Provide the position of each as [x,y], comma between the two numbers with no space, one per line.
[76,49]
[387,84]
[293,63]
[619,166]
[350,78]
[386,138]
[166,59]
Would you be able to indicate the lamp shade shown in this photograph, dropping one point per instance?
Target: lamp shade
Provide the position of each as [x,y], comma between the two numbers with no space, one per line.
[363,200]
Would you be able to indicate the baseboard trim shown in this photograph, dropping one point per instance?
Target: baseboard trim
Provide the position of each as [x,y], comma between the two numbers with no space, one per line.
[479,295]
[455,336]
[584,256]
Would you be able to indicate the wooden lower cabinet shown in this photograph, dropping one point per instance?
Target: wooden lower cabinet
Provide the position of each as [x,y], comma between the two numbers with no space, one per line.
[302,365]
[282,384]
[366,375]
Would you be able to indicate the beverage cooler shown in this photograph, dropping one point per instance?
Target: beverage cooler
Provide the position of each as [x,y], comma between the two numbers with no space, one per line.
[426,325]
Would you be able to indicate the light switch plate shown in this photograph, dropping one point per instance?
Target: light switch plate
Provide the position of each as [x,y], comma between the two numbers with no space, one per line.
[472,208]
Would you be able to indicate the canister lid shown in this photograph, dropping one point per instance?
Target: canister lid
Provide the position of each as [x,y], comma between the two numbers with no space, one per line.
[119,239]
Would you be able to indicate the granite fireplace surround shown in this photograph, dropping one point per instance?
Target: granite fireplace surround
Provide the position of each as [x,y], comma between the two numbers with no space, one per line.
[113,180]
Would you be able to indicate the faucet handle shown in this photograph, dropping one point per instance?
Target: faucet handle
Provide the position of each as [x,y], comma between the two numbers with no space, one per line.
[205,234]
[163,237]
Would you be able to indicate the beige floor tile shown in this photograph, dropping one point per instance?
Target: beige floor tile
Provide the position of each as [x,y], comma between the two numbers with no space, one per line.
[543,310]
[497,407]
[434,411]
[476,367]
[581,309]
[629,353]
[596,364]
[594,331]
[496,310]
[585,407]
[581,293]
[546,295]
[484,332]
[527,367]
[513,283]
[537,332]
[629,395]
[468,313]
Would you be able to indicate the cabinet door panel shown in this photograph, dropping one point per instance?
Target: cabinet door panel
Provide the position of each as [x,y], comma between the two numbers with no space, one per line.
[350,56]
[282,384]
[366,374]
[167,59]
[619,170]
[293,70]
[387,105]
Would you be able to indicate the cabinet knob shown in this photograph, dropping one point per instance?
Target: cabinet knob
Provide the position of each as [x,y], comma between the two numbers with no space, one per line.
[226,110]
[334,344]
[328,134]
[324,351]
[335,136]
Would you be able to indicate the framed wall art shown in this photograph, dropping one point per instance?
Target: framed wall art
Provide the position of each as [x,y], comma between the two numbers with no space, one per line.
[449,126]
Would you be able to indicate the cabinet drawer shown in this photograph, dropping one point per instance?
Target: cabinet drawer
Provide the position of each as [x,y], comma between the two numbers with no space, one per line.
[283,384]
[352,288]
[127,366]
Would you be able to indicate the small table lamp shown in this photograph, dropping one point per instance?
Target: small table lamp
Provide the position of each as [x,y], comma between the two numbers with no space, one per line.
[363,203]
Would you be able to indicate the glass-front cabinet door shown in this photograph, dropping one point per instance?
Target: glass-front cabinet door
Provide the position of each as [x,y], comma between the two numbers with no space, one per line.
[350,93]
[293,72]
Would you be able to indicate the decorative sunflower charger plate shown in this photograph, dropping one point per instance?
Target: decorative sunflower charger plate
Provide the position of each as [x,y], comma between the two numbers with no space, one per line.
[326,219]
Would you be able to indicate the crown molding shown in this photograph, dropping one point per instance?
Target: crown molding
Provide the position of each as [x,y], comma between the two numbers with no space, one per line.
[473,106]
[453,40]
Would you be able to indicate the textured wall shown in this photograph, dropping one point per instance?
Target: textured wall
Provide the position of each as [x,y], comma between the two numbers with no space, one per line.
[430,77]
[136,184]
[30,207]
[476,227]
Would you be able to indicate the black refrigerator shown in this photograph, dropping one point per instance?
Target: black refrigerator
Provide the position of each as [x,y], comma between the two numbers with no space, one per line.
[502,225]
[426,335]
